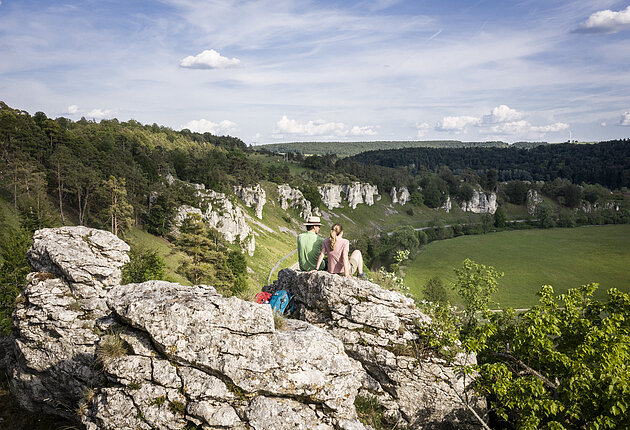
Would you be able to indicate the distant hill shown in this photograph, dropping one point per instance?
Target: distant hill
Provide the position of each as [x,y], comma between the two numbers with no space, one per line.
[347,149]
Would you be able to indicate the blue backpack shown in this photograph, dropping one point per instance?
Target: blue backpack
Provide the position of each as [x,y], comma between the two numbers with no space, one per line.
[280,301]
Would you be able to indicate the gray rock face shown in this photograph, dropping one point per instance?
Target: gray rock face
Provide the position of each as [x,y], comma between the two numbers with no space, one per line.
[533,200]
[253,197]
[481,203]
[355,193]
[401,198]
[447,205]
[587,207]
[54,322]
[379,329]
[220,213]
[293,198]
[219,361]
[160,355]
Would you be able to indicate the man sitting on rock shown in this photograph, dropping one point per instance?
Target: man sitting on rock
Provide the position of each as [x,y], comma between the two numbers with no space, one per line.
[309,244]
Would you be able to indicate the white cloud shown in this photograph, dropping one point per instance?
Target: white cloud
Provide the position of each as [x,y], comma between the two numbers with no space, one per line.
[625,119]
[603,124]
[205,126]
[422,128]
[100,113]
[321,128]
[456,123]
[362,131]
[209,59]
[551,128]
[606,21]
[72,109]
[513,127]
[501,114]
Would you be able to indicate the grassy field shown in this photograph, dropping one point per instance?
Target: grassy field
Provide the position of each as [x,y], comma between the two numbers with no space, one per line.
[562,258]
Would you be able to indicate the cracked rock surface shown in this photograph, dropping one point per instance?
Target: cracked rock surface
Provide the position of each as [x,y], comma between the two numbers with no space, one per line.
[379,330]
[160,355]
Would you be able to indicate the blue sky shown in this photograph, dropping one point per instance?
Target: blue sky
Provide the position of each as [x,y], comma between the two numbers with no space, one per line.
[286,70]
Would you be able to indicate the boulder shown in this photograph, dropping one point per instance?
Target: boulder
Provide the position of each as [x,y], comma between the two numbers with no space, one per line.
[404,196]
[379,329]
[394,195]
[160,355]
[55,318]
[400,196]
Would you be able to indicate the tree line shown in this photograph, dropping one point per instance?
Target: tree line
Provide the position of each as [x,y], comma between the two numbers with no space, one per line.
[605,163]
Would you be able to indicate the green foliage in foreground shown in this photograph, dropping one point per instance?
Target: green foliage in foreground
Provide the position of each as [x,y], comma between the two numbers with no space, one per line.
[563,364]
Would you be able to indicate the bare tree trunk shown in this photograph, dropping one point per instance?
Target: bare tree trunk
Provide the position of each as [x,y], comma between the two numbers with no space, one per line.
[79,207]
[60,189]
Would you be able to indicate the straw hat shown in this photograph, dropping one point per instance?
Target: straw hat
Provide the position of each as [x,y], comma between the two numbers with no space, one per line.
[313,220]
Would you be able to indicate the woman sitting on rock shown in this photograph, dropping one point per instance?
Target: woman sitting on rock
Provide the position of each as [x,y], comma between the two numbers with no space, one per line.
[337,248]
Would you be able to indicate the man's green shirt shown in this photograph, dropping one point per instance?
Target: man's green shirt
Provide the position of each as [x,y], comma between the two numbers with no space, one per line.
[309,246]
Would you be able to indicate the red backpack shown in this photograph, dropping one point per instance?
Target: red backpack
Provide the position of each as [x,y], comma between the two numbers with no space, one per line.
[262,297]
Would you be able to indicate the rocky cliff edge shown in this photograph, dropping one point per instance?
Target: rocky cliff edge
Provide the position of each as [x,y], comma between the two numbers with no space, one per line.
[159,355]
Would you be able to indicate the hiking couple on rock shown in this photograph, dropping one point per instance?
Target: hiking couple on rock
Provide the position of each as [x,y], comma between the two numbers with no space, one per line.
[312,249]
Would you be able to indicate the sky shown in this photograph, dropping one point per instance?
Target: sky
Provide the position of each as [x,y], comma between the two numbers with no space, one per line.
[271,71]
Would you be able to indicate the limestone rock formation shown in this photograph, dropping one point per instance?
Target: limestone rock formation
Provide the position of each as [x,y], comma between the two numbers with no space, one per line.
[401,198]
[55,319]
[293,198]
[331,195]
[447,204]
[253,197]
[533,200]
[379,329]
[355,193]
[480,203]
[394,195]
[198,357]
[587,207]
[160,355]
[218,211]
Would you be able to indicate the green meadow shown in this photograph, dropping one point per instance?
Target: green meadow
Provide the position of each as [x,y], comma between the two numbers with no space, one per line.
[562,258]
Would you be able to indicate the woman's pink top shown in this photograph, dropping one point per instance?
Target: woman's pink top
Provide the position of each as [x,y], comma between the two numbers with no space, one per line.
[335,257]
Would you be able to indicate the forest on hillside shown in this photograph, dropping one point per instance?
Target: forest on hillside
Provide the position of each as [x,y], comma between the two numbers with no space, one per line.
[605,163]
[345,149]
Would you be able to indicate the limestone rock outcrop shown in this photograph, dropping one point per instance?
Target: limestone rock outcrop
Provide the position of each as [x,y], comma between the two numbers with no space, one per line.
[533,200]
[354,194]
[447,204]
[55,318]
[480,203]
[218,211]
[379,329]
[159,355]
[400,196]
[252,197]
[293,198]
